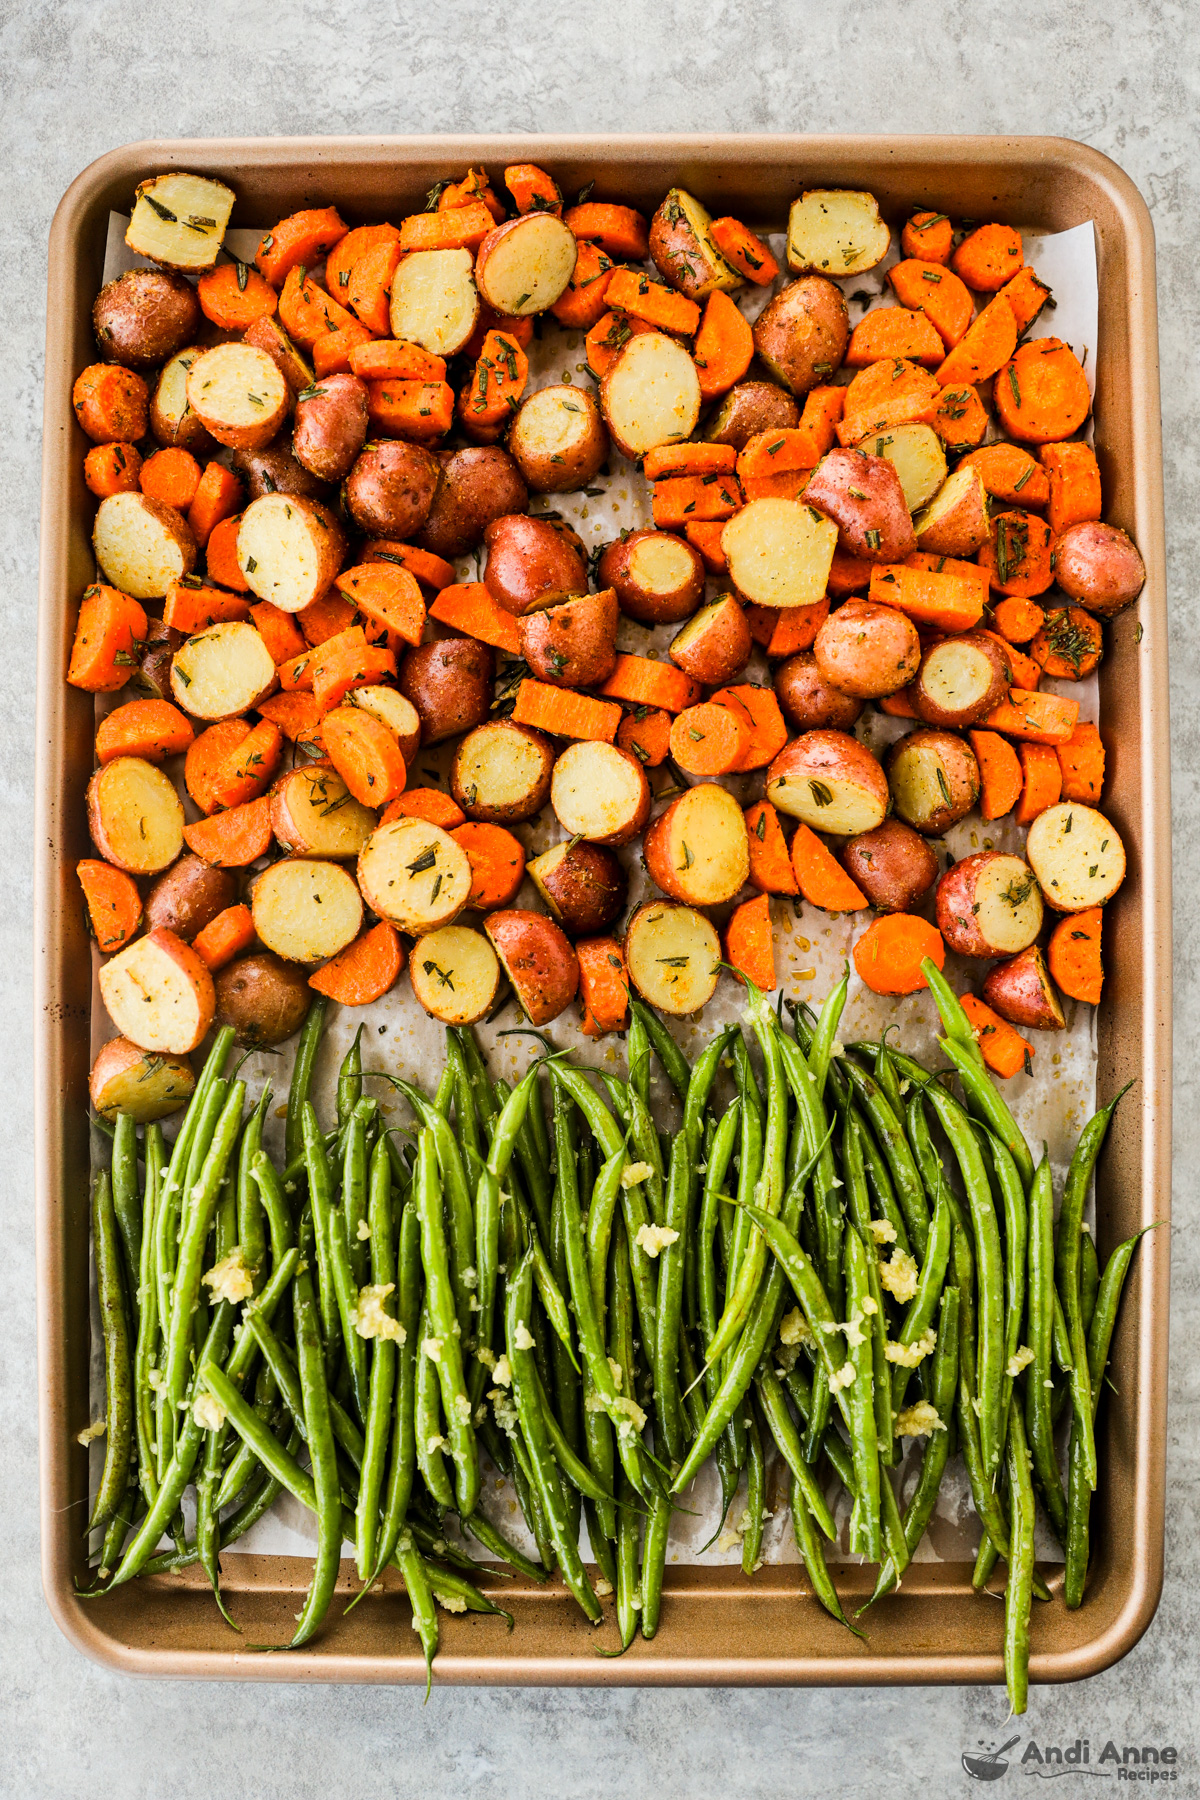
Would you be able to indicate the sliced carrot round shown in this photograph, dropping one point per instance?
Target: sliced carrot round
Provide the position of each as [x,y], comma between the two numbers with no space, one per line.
[889,954]
[1042,394]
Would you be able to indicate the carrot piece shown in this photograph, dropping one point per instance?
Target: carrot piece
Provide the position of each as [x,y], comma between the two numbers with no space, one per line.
[365,754]
[986,346]
[709,739]
[325,618]
[458,228]
[112,469]
[233,295]
[788,484]
[771,870]
[489,399]
[111,404]
[1017,619]
[233,839]
[928,236]
[889,954]
[190,606]
[295,675]
[113,902]
[248,770]
[1074,955]
[108,634]
[307,312]
[620,230]
[151,729]
[892,331]
[938,293]
[1042,394]
[1035,718]
[410,409]
[848,575]
[1069,645]
[473,187]
[532,189]
[603,986]
[347,661]
[782,630]
[1010,474]
[1042,781]
[767,733]
[630,291]
[1027,295]
[1017,558]
[745,250]
[278,631]
[1074,476]
[519,328]
[224,937]
[1001,1045]
[645,682]
[607,336]
[699,497]
[220,556]
[770,452]
[1023,672]
[296,714]
[387,595]
[724,345]
[303,237]
[707,540]
[1081,759]
[370,279]
[218,496]
[898,705]
[932,596]
[564,713]
[394,359]
[425,803]
[646,734]
[431,571]
[364,970]
[671,461]
[497,862]
[988,258]
[342,258]
[749,944]
[206,758]
[961,419]
[582,301]
[331,354]
[821,877]
[467,606]
[887,394]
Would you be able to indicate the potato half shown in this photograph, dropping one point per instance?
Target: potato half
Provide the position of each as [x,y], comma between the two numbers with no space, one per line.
[306,910]
[650,394]
[434,301]
[289,549]
[779,552]
[222,672]
[455,975]
[829,781]
[238,395]
[583,885]
[1022,992]
[955,522]
[127,1079]
[179,220]
[159,994]
[916,454]
[673,955]
[135,816]
[389,706]
[501,773]
[697,850]
[989,905]
[172,420]
[600,792]
[961,680]
[313,813]
[142,545]
[684,250]
[1076,855]
[538,960]
[836,231]
[558,440]
[524,265]
[934,780]
[414,875]
[658,578]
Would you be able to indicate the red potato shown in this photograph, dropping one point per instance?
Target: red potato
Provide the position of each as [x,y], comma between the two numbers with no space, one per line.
[1100,566]
[159,994]
[172,420]
[289,550]
[600,793]
[275,470]
[414,875]
[501,772]
[306,910]
[222,672]
[557,440]
[188,896]
[455,975]
[583,885]
[128,1079]
[135,816]
[574,644]
[802,333]
[330,426]
[779,552]
[178,220]
[313,813]
[829,781]
[961,681]
[392,488]
[239,395]
[989,905]
[524,265]
[751,407]
[934,780]
[267,334]
[715,646]
[434,301]
[1077,856]
[1022,992]
[450,685]
[141,545]
[538,960]
[893,865]
[867,650]
[532,563]
[264,998]
[650,395]
[809,702]
[698,850]
[863,496]
[956,521]
[144,317]
[673,956]
[658,578]
[391,708]
[684,250]
[479,484]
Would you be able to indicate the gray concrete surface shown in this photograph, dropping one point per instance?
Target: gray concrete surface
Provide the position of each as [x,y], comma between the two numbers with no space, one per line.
[79,77]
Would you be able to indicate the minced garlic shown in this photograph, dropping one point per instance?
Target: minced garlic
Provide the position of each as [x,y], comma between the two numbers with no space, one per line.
[1021,1359]
[230,1279]
[634,1173]
[208,1412]
[909,1355]
[369,1318]
[653,1238]
[899,1276]
[918,1420]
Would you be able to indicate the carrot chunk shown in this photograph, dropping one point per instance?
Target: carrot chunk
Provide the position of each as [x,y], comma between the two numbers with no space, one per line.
[303,237]
[532,189]
[582,301]
[206,759]
[1017,559]
[331,354]
[410,409]
[425,803]
[248,770]
[172,476]
[961,419]
[745,250]
[889,954]
[672,461]
[233,839]
[431,571]
[1027,295]
[278,631]
[497,862]
[220,556]
[646,682]
[467,606]
[646,733]
[347,661]
[342,258]
[1035,718]
[112,469]
[189,606]
[928,237]
[109,633]
[113,902]
[366,294]
[1074,476]
[474,187]
[1074,955]
[749,944]
[938,293]
[325,618]
[766,733]
[488,400]
[985,347]
[707,540]
[607,336]
[786,449]
[218,497]
[224,937]
[1000,773]
[632,292]
[1042,778]
[1069,644]
[296,714]
[724,345]
[886,394]
[621,230]
[709,739]
[782,630]
[603,986]
[233,295]
[695,497]
[364,970]
[1017,619]
[111,404]
[821,877]
[365,754]
[1010,474]
[388,596]
[458,228]
[393,359]
[1042,394]
[943,595]
[1081,759]
[771,870]
[151,729]
[1001,1045]
[988,258]
[892,331]
[307,312]
[565,713]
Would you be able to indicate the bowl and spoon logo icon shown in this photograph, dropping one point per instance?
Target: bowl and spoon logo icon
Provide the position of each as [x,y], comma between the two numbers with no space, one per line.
[990,1766]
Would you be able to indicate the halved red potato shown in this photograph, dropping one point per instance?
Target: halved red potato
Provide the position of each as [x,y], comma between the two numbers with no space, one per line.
[658,578]
[313,813]
[159,994]
[714,646]
[557,439]
[524,265]
[144,316]
[684,250]
[449,682]
[538,960]
[916,454]
[455,975]
[1076,855]
[306,910]
[989,905]
[934,780]
[960,681]
[650,394]
[955,522]
[802,333]
[135,816]
[863,496]
[178,220]
[128,1079]
[837,231]
[331,426]
[748,408]
[697,850]
[222,672]
[867,650]
[188,896]
[141,545]
[239,395]
[1022,992]
[831,782]
[172,420]
[434,300]
[501,772]
[809,701]
[267,334]
[893,865]
[532,563]
[414,875]
[289,549]
[1098,565]
[479,483]
[600,792]
[389,706]
[583,885]
[574,644]
[673,956]
[779,552]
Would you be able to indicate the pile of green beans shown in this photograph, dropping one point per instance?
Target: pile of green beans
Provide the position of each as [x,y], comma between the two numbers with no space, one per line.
[537,1275]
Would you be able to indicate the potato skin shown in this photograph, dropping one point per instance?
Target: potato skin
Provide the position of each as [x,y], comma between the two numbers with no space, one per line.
[391,488]
[935,711]
[963,909]
[638,600]
[145,316]
[188,896]
[802,334]
[275,470]
[716,646]
[808,701]
[586,889]
[893,865]
[538,959]
[264,998]
[330,426]
[576,466]
[532,563]
[146,1085]
[824,756]
[1100,566]
[748,408]
[957,761]
[867,650]
[450,684]
[573,645]
[1021,991]
[680,253]
[154,665]
[863,497]
[478,484]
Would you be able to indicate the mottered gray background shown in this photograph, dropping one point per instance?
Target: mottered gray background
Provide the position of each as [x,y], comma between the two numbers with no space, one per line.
[80,76]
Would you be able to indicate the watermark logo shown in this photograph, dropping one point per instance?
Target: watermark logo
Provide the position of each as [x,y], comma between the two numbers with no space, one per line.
[1146,1764]
[988,1765]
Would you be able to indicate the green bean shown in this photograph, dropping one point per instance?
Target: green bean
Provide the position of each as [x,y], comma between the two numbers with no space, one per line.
[879,1181]
[887,1078]
[349,1084]
[924,1302]
[302,1074]
[906,1177]
[668,1410]
[986,1558]
[207,1526]
[466,1115]
[200,1204]
[119,1527]
[535,1165]
[984,1496]
[654,1561]
[455,1591]
[754,1517]
[671,1058]
[416,1582]
[242,1465]
[1016,1257]
[345,1292]
[548,1291]
[929,1163]
[700,1085]
[507,1124]
[647,1149]
[439,1298]
[485,1533]
[750,1150]
[118,1371]
[637,1057]
[127,1207]
[148,1334]
[601,1214]
[864,1442]
[782,1427]
[809,1546]
[281,1368]
[354,1190]
[462,1245]
[298,1167]
[320,1194]
[824,1035]
[1067,1268]
[1038,1380]
[768,1191]
[826,1205]
[618,1096]
[1018,1592]
[427,1423]
[641,1264]
[628,1597]
[326,1482]
[274,1202]
[383,1365]
[955,1022]
[1089,1279]
[404,1444]
[992,1107]
[251,1217]
[568,1385]
[181,1177]
[443,1097]
[573,1467]
[858,1207]
[833,1444]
